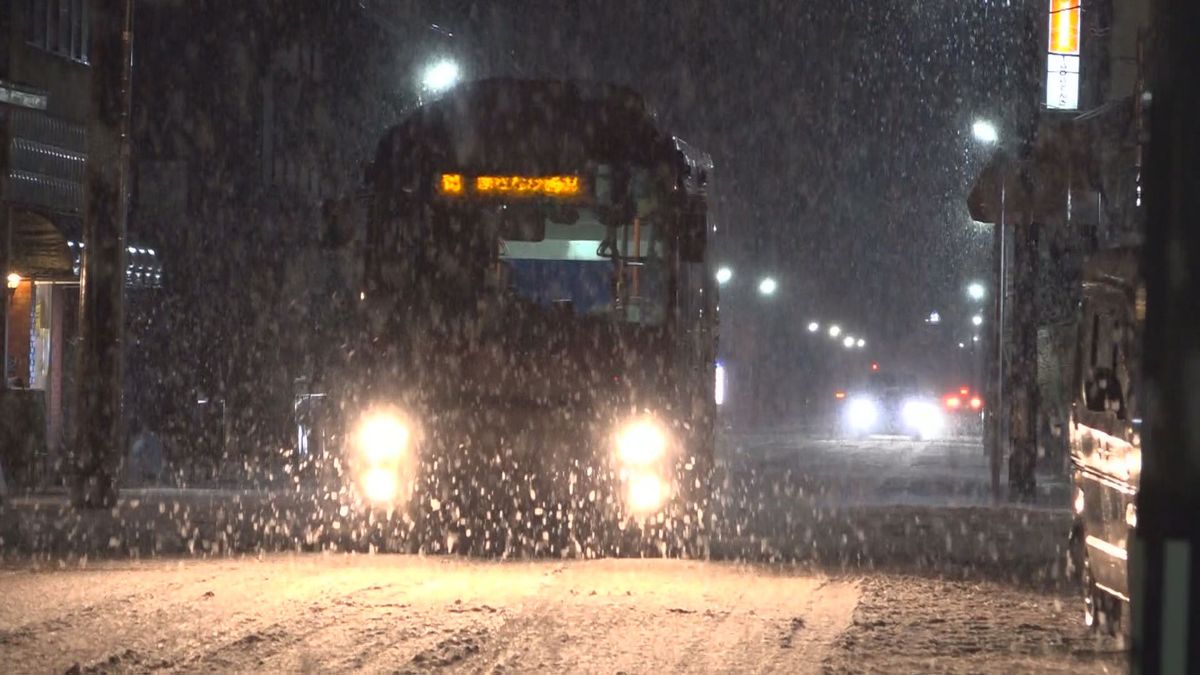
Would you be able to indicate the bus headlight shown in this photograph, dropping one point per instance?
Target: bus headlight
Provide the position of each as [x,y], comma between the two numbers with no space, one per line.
[380,484]
[645,493]
[641,443]
[383,456]
[642,446]
[383,438]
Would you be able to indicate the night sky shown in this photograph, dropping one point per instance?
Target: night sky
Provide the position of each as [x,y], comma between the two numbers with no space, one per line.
[840,131]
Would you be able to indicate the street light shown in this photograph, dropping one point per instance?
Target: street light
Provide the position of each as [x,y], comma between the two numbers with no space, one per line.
[835,330]
[813,326]
[14,280]
[724,275]
[934,317]
[849,341]
[440,76]
[975,290]
[977,320]
[985,132]
[861,343]
[767,286]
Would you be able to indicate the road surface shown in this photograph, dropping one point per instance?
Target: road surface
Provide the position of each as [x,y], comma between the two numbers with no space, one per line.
[339,613]
[832,557]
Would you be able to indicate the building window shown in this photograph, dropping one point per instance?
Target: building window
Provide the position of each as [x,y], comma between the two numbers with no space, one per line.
[59,27]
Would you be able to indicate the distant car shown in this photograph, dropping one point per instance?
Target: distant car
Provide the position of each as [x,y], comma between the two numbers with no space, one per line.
[964,411]
[891,404]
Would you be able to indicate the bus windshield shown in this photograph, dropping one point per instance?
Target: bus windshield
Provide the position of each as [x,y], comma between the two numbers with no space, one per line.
[589,269]
[573,255]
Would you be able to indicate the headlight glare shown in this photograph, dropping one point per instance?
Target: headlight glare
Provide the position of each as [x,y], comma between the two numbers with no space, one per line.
[862,413]
[383,438]
[923,417]
[380,485]
[642,442]
[646,493]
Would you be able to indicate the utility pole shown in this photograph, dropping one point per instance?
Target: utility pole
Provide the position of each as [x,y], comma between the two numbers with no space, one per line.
[998,405]
[1023,380]
[99,437]
[1165,557]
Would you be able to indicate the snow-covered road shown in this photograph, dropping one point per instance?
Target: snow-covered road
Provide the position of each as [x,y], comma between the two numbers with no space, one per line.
[878,555]
[339,613]
[398,613]
[879,470]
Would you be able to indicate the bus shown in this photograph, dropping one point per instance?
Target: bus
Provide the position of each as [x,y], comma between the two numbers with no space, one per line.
[530,360]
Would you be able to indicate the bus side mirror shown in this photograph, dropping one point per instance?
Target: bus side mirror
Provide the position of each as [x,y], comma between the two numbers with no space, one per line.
[693,238]
[337,222]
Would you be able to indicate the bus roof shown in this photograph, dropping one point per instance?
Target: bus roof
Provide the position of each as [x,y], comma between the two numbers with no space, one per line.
[537,127]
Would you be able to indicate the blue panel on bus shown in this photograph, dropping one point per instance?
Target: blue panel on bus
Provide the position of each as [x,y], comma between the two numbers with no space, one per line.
[587,284]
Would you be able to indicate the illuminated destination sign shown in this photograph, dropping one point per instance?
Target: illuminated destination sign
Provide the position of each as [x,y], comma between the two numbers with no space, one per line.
[1062,58]
[455,184]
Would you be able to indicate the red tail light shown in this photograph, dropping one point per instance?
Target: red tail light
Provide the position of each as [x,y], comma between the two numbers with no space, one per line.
[953,402]
[976,403]
[964,390]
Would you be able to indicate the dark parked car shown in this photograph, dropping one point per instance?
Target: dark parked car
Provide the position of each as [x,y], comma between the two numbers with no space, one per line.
[1105,434]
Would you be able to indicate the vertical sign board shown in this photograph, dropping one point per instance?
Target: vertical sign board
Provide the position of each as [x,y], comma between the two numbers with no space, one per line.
[1062,59]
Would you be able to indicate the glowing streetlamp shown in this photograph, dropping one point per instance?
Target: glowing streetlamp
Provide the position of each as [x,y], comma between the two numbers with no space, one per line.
[975,290]
[861,343]
[848,342]
[813,326]
[835,330]
[14,280]
[934,317]
[440,76]
[985,132]
[767,286]
[724,275]
[977,320]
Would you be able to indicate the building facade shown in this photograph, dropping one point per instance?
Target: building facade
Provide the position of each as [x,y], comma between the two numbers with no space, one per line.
[1068,190]
[43,109]
[247,116]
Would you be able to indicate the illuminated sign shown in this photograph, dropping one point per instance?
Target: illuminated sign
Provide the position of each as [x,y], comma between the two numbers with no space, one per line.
[1064,27]
[1062,82]
[551,186]
[454,184]
[1062,59]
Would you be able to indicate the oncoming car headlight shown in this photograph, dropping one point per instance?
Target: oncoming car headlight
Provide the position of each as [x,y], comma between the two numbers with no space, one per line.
[923,417]
[383,438]
[640,443]
[862,413]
